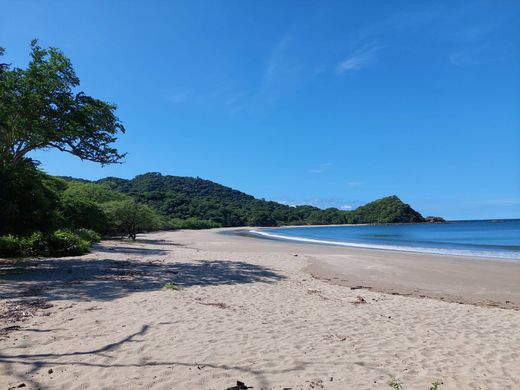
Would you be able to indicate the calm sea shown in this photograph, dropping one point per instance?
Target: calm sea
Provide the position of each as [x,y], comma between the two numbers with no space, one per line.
[498,239]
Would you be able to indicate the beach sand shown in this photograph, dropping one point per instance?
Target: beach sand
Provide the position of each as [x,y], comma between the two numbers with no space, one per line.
[272,314]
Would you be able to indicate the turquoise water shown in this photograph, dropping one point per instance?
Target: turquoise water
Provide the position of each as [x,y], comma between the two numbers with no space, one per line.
[495,239]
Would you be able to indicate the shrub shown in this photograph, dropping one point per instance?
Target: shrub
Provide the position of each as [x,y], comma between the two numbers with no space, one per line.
[172,286]
[14,246]
[58,243]
[88,235]
[34,245]
[395,383]
[65,243]
[10,246]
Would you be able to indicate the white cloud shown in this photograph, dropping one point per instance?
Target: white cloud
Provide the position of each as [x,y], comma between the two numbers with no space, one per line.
[353,184]
[346,207]
[321,168]
[359,59]
[483,54]
[277,59]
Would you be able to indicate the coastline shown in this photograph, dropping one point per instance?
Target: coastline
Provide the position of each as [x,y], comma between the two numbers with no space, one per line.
[458,252]
[451,278]
[257,311]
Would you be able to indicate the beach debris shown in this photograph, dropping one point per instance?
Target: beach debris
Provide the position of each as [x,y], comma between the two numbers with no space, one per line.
[360,300]
[240,386]
[220,305]
[335,337]
[50,371]
[295,254]
[8,330]
[316,384]
[21,310]
[17,387]
[313,291]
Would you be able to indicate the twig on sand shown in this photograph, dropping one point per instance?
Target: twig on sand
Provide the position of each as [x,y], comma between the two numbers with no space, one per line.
[360,300]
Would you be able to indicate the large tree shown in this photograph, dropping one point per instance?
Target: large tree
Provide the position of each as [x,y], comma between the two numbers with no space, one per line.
[129,217]
[41,108]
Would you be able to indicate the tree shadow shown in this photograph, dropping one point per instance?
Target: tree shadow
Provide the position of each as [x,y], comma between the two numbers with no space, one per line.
[129,250]
[107,279]
[158,241]
[33,362]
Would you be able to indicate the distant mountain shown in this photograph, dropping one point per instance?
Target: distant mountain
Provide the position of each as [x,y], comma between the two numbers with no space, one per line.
[175,197]
[386,210]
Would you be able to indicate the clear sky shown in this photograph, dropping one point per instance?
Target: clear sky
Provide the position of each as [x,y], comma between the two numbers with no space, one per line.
[331,103]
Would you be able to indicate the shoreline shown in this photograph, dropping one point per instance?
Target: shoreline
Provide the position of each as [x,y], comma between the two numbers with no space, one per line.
[450,278]
[476,253]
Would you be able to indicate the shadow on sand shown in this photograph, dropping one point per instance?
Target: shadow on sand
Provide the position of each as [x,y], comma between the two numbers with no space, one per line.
[33,363]
[107,279]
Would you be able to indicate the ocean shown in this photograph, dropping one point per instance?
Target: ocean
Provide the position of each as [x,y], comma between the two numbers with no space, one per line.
[489,238]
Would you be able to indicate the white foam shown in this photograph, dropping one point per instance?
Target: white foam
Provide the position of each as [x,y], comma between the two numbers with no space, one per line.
[454,252]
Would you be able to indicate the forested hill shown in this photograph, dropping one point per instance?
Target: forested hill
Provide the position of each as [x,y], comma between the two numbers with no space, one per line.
[181,198]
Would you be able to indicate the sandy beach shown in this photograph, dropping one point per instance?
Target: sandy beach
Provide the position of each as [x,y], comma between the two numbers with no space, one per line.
[272,314]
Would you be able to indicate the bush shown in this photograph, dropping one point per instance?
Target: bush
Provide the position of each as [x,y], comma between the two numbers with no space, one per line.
[10,246]
[88,235]
[34,245]
[58,243]
[64,243]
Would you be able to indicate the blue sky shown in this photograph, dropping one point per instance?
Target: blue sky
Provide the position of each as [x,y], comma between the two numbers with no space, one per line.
[328,103]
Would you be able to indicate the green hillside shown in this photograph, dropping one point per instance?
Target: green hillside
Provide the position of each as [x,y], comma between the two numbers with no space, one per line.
[175,197]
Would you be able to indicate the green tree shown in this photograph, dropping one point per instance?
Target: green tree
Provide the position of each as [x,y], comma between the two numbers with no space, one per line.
[41,109]
[82,213]
[129,217]
[29,200]
[98,193]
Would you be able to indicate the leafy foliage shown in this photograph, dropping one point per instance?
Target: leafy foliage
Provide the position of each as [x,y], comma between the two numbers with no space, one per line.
[88,235]
[83,205]
[395,383]
[65,243]
[58,243]
[40,109]
[172,286]
[29,200]
[435,385]
[129,217]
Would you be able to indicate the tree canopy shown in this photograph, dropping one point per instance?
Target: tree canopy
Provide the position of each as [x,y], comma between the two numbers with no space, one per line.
[41,108]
